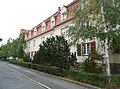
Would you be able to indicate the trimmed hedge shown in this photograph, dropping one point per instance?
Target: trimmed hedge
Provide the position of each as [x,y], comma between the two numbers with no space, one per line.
[89,78]
[24,64]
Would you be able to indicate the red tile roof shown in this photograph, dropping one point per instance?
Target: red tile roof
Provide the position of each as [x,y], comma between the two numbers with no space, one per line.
[58,22]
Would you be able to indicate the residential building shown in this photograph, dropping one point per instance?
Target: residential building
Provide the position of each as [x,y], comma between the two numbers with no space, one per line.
[57,25]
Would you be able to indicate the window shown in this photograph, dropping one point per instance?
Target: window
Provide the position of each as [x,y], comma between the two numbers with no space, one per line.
[64,16]
[34,42]
[35,31]
[63,13]
[30,34]
[43,28]
[28,53]
[31,54]
[52,21]
[86,49]
[26,36]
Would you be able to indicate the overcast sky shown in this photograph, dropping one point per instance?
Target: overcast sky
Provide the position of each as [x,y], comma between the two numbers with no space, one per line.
[18,14]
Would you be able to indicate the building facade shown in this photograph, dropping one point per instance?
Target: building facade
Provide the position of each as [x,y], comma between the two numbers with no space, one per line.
[57,25]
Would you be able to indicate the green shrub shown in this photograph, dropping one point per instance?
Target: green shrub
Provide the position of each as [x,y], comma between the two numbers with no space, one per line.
[27,58]
[20,60]
[47,69]
[91,64]
[55,51]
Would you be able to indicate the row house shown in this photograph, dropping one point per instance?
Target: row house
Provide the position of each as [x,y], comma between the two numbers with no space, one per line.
[57,25]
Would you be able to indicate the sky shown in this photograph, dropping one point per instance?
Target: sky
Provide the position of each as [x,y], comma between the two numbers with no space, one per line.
[25,14]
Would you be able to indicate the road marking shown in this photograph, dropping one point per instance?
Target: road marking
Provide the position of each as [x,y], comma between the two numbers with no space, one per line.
[34,81]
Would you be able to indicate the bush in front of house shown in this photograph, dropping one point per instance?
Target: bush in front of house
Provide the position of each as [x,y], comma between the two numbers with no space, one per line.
[20,60]
[94,63]
[26,58]
[55,51]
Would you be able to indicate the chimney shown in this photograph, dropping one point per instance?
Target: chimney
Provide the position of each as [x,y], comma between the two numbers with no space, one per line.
[59,9]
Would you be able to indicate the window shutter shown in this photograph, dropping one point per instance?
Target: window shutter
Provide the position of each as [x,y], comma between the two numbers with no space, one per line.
[93,46]
[79,49]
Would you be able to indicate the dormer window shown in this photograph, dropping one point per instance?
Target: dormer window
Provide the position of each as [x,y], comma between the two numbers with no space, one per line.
[35,31]
[30,34]
[26,36]
[52,22]
[63,13]
[64,16]
[43,27]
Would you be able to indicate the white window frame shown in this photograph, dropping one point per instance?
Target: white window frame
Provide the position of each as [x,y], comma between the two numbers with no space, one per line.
[63,13]
[35,31]
[86,50]
[52,22]
[30,34]
[43,28]
[64,16]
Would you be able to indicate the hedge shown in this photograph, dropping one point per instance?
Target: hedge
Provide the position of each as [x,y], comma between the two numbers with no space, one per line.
[89,78]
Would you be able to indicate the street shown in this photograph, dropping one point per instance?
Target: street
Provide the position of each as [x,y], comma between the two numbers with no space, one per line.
[16,77]
[10,79]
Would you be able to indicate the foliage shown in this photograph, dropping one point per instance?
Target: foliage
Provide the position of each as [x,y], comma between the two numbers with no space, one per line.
[55,51]
[26,58]
[20,52]
[90,21]
[115,45]
[13,51]
[94,63]
[20,60]
[13,48]
[21,44]
[4,53]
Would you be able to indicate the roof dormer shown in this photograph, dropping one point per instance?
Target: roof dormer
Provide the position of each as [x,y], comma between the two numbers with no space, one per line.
[30,33]
[43,26]
[52,21]
[35,31]
[63,13]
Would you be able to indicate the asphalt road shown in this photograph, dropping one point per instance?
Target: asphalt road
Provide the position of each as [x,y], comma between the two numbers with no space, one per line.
[9,79]
[16,77]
